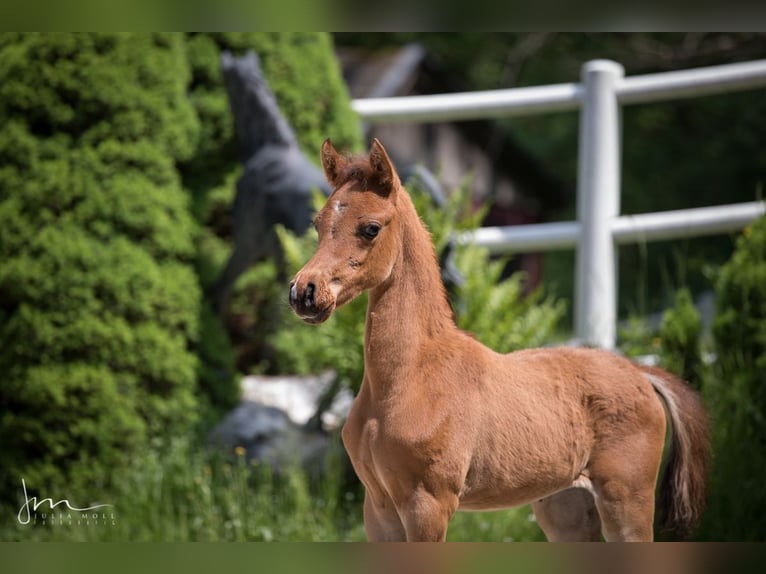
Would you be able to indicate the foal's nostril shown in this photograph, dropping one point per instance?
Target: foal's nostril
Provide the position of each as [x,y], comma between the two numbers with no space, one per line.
[309,295]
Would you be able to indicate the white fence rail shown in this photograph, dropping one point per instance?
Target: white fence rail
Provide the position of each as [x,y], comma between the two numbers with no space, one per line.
[599,227]
[561,97]
[626,229]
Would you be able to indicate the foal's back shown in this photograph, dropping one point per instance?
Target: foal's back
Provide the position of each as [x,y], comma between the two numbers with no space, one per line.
[576,391]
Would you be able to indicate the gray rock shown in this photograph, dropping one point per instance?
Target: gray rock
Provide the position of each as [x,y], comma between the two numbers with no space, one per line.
[268,435]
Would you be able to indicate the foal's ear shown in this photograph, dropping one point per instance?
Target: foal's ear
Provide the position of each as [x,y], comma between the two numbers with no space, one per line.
[381,165]
[332,163]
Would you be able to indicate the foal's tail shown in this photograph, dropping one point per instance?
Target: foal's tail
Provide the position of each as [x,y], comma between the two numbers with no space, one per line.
[682,490]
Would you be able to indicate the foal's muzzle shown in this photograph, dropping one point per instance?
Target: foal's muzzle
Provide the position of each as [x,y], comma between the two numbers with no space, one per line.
[304,301]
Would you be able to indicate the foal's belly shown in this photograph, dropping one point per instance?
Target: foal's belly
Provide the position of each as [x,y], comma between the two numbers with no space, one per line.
[496,499]
[496,495]
[525,467]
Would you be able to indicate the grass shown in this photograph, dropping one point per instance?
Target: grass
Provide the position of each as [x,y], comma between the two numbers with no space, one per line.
[190,495]
[514,525]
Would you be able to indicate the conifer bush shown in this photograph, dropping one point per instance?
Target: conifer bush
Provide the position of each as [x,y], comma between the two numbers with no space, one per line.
[99,301]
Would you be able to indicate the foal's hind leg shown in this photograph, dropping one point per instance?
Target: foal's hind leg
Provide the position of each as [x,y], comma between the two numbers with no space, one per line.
[624,477]
[568,516]
[627,514]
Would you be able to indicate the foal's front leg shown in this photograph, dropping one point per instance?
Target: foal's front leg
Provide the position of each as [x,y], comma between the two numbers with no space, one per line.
[381,520]
[426,516]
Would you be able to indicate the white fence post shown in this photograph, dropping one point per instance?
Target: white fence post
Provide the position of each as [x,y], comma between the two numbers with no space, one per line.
[598,204]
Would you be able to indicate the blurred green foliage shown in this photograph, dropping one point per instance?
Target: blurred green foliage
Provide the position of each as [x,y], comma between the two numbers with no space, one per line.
[736,394]
[680,333]
[729,370]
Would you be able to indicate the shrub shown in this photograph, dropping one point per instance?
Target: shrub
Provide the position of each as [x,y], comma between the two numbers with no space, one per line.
[736,394]
[99,303]
[637,337]
[680,333]
[739,327]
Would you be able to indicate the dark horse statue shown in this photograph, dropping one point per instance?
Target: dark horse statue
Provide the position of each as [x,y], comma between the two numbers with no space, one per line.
[278,179]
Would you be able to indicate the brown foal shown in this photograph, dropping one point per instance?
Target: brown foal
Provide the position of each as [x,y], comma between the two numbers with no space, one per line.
[442,423]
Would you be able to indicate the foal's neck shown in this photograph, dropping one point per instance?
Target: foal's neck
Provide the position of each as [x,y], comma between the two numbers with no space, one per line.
[409,308]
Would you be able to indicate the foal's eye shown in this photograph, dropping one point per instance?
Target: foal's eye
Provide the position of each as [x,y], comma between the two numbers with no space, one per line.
[370,230]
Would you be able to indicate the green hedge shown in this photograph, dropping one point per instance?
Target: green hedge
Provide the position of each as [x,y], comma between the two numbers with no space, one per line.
[99,301]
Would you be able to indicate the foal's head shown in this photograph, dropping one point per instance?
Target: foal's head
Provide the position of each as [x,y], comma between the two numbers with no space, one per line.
[359,234]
